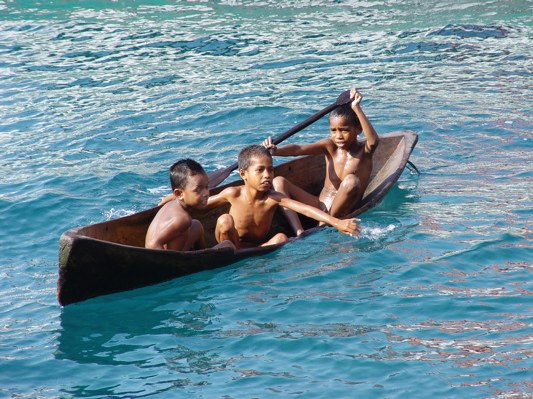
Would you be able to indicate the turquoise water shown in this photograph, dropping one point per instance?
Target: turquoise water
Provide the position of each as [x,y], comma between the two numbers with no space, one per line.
[433,300]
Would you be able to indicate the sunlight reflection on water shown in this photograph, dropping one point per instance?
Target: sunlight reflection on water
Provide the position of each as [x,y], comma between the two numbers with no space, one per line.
[98,99]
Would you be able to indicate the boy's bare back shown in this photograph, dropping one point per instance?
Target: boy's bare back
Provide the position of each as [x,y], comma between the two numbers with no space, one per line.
[173,227]
[170,229]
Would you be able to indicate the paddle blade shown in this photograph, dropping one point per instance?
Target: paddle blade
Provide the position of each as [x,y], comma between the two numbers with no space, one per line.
[344,98]
[218,176]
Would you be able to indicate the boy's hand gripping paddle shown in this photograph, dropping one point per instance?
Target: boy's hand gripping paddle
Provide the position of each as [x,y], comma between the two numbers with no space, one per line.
[218,176]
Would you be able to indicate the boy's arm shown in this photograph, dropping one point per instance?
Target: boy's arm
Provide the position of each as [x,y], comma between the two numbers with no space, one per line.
[370,133]
[348,226]
[291,150]
[222,197]
[212,202]
[170,231]
[167,198]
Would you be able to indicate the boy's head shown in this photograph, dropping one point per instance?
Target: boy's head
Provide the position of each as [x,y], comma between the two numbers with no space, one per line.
[347,113]
[255,167]
[344,126]
[249,152]
[189,183]
[182,170]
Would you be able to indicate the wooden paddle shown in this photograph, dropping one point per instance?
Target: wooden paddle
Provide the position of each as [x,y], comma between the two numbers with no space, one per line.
[218,176]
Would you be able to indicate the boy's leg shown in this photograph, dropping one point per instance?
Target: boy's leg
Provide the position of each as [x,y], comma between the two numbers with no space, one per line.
[225,230]
[196,239]
[225,244]
[291,190]
[348,196]
[277,239]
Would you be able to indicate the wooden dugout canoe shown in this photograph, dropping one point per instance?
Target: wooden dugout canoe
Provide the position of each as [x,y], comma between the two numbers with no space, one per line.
[109,257]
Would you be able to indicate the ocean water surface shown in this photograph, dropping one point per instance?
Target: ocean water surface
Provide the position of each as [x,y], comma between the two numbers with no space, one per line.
[98,98]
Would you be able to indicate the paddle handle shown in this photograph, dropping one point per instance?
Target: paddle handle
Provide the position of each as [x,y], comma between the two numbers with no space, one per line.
[342,99]
[220,175]
[302,125]
[278,139]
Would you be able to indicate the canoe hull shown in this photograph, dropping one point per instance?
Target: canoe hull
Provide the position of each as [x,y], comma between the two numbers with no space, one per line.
[109,257]
[92,268]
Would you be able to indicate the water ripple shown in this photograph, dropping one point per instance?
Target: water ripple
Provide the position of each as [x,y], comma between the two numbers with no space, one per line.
[97,100]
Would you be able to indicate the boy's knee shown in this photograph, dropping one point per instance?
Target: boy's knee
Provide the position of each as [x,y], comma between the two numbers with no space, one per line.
[225,222]
[351,183]
[197,227]
[279,182]
[225,244]
[279,238]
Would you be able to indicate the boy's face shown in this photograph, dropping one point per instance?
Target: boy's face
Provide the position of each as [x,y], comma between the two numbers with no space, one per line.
[196,192]
[259,174]
[342,133]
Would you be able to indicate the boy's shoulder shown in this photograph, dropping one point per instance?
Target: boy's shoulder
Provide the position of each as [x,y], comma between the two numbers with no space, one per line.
[232,191]
[174,214]
[174,209]
[275,195]
[325,141]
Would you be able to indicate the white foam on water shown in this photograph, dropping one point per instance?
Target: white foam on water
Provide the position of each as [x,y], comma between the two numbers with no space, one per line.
[376,233]
[118,213]
[159,190]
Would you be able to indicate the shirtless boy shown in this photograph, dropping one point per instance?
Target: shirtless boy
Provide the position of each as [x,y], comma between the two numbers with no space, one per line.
[172,226]
[253,204]
[348,162]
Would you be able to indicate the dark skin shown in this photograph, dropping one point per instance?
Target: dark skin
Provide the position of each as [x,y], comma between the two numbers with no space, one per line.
[348,165]
[173,227]
[253,206]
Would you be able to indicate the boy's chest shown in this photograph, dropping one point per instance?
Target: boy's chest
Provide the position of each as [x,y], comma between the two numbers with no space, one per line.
[254,213]
[340,164]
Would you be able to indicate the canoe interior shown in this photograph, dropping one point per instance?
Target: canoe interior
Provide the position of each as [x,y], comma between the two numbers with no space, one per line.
[109,257]
[306,172]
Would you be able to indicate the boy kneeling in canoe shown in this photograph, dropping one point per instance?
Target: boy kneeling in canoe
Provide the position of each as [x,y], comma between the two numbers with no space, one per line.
[253,204]
[172,226]
[348,163]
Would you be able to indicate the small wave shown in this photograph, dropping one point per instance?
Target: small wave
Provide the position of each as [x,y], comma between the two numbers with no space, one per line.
[471,30]
[376,233]
[118,213]
[159,190]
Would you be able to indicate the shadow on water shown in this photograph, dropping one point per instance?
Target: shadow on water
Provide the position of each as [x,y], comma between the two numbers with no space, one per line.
[153,335]
[403,193]
[101,329]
